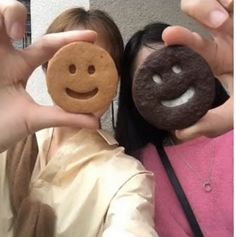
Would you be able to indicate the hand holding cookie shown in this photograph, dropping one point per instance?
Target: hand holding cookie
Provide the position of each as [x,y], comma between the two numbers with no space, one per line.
[217,51]
[20,115]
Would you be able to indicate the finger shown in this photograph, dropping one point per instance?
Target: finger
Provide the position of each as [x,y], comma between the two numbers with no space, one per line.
[216,122]
[53,116]
[179,35]
[41,51]
[210,13]
[14,15]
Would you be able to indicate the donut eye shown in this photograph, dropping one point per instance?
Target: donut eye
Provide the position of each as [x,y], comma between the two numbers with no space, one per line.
[176,69]
[72,69]
[157,79]
[91,69]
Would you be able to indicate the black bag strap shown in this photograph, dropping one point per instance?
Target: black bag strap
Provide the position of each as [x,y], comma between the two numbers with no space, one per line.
[179,192]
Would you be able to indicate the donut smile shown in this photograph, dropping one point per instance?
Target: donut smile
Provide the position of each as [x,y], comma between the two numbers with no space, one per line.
[81,95]
[184,98]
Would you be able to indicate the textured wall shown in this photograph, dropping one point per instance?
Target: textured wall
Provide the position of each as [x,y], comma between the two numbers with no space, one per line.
[131,15]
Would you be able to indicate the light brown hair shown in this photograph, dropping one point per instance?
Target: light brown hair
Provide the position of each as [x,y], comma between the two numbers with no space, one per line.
[96,20]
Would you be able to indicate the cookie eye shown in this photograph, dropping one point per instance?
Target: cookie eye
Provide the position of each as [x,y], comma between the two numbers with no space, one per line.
[72,69]
[176,69]
[157,79]
[91,69]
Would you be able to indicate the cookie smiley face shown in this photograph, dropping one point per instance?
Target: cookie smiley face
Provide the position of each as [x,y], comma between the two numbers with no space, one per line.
[82,78]
[173,88]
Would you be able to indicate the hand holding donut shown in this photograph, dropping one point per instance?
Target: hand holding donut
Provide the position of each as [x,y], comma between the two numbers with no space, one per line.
[20,115]
[217,18]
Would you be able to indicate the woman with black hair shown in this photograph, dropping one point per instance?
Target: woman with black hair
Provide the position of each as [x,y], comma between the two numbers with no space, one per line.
[194,191]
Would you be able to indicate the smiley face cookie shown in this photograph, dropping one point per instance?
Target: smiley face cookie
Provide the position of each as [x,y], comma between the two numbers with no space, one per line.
[82,78]
[173,88]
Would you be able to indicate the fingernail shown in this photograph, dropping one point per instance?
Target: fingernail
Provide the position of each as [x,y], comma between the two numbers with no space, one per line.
[217,18]
[16,31]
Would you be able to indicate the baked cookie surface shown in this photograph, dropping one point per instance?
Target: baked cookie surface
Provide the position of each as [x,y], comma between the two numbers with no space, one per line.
[82,78]
[173,88]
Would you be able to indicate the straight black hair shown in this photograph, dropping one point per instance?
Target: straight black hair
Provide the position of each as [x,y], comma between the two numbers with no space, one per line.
[132,131]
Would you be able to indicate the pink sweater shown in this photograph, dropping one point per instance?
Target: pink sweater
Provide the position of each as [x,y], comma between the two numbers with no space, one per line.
[194,162]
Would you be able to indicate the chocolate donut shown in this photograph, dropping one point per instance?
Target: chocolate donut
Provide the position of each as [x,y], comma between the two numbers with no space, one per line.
[173,88]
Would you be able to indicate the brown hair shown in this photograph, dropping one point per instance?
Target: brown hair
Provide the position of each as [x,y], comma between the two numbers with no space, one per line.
[96,20]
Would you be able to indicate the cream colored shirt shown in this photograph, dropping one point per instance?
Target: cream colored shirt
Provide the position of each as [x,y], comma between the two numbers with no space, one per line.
[94,188]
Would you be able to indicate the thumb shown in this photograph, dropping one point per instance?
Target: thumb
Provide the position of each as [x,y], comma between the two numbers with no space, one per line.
[173,35]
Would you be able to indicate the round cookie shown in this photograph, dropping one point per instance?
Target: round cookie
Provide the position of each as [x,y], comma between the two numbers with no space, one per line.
[82,78]
[173,88]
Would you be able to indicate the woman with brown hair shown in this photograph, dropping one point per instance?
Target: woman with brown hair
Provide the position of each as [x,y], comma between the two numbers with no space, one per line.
[68,181]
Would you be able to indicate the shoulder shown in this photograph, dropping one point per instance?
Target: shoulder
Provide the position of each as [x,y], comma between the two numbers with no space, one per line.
[118,161]
[122,169]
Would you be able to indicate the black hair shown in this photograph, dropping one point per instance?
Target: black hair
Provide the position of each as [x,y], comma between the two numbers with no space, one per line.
[132,131]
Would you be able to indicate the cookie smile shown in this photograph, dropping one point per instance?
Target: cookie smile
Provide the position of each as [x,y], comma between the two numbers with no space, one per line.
[184,98]
[83,95]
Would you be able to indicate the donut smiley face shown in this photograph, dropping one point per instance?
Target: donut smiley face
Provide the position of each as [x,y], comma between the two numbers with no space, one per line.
[82,78]
[173,88]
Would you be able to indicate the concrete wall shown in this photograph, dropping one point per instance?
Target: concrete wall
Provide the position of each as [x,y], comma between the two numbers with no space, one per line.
[130,15]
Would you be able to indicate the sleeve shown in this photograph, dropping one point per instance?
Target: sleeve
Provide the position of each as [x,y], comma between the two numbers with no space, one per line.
[131,211]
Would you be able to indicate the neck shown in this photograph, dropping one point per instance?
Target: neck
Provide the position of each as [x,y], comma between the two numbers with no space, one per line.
[59,137]
[61,134]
